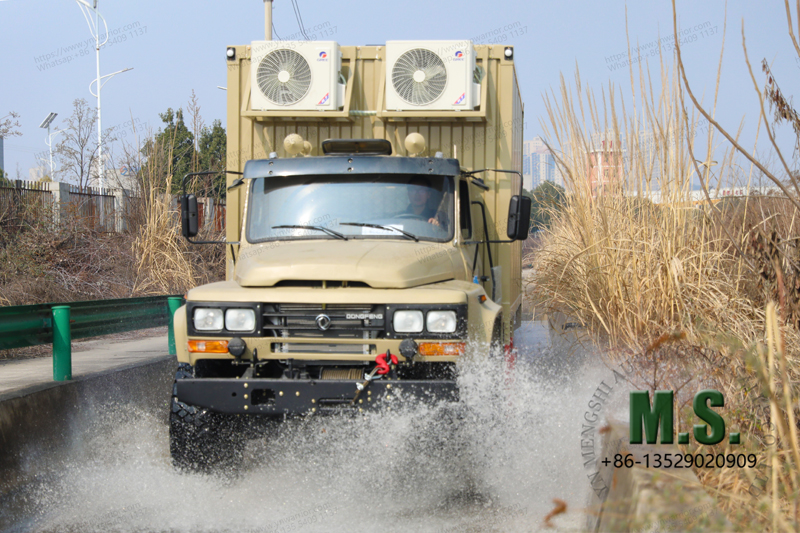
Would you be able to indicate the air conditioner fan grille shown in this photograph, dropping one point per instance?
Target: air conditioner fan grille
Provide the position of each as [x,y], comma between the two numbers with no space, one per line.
[419,76]
[284,77]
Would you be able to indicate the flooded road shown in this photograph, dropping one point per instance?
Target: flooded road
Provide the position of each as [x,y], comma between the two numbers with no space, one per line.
[493,463]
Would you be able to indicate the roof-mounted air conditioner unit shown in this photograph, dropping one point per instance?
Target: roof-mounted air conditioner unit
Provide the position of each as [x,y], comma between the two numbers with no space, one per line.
[431,75]
[297,75]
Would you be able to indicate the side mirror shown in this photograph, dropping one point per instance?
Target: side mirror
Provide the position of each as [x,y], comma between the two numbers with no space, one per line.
[519,218]
[189,215]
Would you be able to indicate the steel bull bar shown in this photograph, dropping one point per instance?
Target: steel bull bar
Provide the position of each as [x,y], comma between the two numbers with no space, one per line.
[299,396]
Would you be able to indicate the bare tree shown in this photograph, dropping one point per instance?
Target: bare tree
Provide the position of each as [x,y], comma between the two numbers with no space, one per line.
[9,125]
[77,151]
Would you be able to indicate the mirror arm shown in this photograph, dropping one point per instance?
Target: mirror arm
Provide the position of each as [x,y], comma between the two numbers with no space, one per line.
[207,173]
[517,172]
[235,183]
[487,241]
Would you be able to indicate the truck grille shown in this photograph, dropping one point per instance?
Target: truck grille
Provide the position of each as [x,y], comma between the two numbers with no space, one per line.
[322,349]
[330,321]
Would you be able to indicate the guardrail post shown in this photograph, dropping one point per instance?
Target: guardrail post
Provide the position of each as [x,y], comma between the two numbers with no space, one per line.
[174,302]
[62,344]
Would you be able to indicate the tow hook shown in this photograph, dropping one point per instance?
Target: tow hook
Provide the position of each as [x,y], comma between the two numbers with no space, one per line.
[381,368]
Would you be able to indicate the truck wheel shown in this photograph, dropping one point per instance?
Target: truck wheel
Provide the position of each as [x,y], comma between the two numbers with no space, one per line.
[200,440]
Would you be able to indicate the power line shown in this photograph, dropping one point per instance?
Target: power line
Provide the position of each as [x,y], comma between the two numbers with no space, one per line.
[299,19]
[302,22]
[275,32]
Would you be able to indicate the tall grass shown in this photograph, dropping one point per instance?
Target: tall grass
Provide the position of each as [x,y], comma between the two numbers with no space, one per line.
[165,261]
[630,269]
[683,291]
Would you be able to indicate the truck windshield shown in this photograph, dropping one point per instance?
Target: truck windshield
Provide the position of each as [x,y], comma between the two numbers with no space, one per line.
[417,204]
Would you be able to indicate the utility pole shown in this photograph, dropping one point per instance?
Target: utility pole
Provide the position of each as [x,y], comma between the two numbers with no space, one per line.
[267,20]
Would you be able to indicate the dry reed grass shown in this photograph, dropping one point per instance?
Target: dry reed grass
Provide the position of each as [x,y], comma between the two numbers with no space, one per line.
[685,293]
[165,262]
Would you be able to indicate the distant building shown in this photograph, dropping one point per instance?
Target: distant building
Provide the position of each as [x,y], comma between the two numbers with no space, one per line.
[113,178]
[623,161]
[538,165]
[36,173]
[606,161]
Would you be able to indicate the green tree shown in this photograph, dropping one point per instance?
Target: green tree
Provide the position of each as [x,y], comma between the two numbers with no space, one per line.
[178,146]
[212,146]
[546,198]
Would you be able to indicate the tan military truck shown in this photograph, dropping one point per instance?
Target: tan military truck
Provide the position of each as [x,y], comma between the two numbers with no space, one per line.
[367,243]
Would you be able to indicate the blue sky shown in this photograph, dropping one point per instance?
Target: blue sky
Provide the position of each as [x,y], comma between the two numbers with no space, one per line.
[177,46]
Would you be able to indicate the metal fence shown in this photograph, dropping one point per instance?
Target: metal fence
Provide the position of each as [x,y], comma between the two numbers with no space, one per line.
[94,207]
[211,211]
[105,210]
[29,325]
[21,201]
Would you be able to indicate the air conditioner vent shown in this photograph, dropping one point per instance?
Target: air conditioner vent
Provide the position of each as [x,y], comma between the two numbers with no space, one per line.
[419,76]
[284,77]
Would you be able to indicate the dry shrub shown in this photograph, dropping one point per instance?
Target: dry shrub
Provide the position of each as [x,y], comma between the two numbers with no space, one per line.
[161,263]
[165,262]
[41,261]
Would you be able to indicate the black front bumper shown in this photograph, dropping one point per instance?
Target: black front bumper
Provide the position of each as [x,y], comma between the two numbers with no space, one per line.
[297,396]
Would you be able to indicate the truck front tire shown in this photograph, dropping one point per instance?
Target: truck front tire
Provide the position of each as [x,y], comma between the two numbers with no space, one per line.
[200,440]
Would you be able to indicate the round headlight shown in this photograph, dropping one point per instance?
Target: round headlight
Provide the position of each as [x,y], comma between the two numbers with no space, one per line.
[240,319]
[407,321]
[206,319]
[441,321]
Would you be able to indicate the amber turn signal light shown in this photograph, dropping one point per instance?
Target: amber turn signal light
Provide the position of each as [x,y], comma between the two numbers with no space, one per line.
[208,346]
[441,348]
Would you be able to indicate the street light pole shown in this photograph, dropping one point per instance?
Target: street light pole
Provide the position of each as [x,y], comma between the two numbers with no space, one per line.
[49,142]
[50,146]
[95,30]
[100,162]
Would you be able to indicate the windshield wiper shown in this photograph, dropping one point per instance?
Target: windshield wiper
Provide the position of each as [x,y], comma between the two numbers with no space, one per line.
[318,228]
[378,226]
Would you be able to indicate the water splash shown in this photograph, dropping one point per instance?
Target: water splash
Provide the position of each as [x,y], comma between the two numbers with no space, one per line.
[492,462]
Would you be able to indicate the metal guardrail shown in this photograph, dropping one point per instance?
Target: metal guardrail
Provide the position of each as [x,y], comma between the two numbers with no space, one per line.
[29,325]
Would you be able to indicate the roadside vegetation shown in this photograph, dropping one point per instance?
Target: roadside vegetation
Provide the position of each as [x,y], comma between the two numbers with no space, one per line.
[44,261]
[696,296]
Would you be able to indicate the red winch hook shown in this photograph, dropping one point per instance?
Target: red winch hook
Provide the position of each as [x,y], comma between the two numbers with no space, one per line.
[383,366]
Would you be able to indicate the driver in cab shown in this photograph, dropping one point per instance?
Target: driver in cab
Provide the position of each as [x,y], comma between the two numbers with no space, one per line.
[419,195]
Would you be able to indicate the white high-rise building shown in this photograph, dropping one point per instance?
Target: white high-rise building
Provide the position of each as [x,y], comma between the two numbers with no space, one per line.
[538,165]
